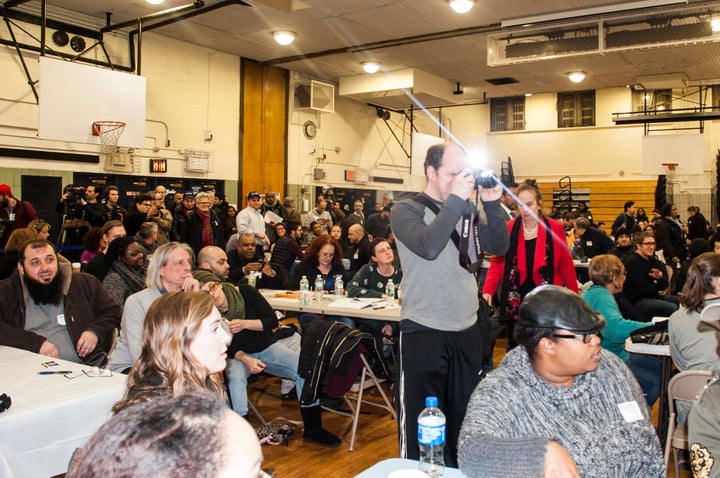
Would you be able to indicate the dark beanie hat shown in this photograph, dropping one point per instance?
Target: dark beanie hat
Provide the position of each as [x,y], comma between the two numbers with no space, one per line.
[554,307]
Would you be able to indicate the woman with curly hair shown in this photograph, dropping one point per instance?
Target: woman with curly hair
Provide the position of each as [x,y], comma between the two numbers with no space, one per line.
[323,257]
[184,346]
[538,254]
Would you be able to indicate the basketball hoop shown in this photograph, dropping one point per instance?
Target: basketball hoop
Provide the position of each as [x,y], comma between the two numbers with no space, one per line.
[109,132]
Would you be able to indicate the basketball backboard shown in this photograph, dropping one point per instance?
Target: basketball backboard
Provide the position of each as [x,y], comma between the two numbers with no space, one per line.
[73,96]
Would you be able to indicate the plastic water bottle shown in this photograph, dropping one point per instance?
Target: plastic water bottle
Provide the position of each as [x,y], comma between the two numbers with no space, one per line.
[305,295]
[390,293]
[431,438]
[339,287]
[319,286]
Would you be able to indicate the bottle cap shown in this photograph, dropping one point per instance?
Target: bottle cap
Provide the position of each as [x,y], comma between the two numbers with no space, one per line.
[431,402]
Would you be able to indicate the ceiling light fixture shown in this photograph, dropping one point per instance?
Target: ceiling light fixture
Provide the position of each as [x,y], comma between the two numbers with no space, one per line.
[284,37]
[587,12]
[371,66]
[461,6]
[576,76]
[155,2]
[715,24]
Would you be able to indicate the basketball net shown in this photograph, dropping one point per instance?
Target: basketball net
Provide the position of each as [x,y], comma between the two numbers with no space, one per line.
[109,132]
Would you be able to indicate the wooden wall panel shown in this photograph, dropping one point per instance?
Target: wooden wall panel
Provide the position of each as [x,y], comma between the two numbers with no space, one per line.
[608,197]
[264,113]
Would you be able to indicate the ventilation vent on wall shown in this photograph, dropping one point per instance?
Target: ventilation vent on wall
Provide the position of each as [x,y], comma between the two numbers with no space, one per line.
[315,95]
[122,161]
[197,161]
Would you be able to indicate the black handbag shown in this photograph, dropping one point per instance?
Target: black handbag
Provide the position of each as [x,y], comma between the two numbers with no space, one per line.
[655,334]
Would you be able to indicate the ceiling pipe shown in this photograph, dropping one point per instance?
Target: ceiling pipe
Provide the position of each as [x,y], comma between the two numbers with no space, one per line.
[389,43]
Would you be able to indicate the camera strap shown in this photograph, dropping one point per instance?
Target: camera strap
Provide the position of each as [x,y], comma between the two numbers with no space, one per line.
[461,241]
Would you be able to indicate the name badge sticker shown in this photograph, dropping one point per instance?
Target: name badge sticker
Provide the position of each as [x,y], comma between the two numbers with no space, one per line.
[630,411]
[61,319]
[589,243]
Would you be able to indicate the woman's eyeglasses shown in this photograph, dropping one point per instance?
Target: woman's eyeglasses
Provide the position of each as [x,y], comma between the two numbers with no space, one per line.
[586,338]
[326,254]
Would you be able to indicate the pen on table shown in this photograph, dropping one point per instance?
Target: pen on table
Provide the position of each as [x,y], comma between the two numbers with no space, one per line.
[53,372]
[379,307]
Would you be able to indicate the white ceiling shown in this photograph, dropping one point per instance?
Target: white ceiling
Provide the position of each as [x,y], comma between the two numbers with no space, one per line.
[343,25]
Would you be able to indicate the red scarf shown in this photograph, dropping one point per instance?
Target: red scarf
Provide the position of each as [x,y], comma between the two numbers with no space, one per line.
[206,236]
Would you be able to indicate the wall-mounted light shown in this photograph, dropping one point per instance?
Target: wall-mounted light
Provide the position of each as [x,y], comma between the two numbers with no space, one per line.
[371,66]
[528,95]
[715,24]
[461,6]
[284,37]
[576,76]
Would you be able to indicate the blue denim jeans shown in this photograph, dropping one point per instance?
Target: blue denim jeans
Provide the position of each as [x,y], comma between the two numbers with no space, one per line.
[647,370]
[280,360]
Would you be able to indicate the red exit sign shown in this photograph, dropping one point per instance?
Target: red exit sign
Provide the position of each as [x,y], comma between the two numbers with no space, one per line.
[158,165]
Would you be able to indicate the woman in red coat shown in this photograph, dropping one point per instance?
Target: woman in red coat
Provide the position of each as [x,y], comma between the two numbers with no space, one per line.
[538,254]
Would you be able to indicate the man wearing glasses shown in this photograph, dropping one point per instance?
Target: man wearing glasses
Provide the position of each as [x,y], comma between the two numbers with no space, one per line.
[646,278]
[559,404]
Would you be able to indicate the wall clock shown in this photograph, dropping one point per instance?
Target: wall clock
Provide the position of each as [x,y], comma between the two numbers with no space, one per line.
[309,129]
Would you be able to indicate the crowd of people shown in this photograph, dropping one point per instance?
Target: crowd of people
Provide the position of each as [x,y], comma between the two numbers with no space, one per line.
[169,295]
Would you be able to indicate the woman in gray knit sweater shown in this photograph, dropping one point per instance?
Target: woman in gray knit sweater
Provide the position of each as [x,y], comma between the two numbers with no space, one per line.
[559,405]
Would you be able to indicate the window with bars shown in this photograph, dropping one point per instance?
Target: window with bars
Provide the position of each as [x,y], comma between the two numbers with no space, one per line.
[507,114]
[651,100]
[576,108]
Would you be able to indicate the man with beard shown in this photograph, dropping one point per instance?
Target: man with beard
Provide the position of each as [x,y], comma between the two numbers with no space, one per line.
[244,261]
[50,310]
[14,213]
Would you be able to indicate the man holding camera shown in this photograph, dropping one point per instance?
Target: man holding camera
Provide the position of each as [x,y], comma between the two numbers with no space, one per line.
[440,238]
[14,213]
[145,211]
[75,204]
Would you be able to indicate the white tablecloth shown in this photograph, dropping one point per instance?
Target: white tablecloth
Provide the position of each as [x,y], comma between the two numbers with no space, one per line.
[50,415]
[385,467]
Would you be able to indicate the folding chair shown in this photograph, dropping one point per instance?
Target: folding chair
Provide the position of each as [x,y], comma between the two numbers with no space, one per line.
[354,398]
[683,386]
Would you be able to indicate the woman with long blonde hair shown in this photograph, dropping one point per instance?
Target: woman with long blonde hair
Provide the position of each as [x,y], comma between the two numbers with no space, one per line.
[183,349]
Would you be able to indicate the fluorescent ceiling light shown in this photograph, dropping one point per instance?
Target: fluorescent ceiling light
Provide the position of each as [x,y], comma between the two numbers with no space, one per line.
[371,66]
[587,12]
[576,76]
[715,24]
[284,37]
[155,2]
[461,6]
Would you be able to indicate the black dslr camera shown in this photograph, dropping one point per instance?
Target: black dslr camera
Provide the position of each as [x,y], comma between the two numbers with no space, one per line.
[485,178]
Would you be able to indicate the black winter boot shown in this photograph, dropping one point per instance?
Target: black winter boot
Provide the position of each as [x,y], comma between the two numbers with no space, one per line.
[314,432]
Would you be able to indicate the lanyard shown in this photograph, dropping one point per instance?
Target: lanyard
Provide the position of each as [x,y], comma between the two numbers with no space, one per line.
[461,241]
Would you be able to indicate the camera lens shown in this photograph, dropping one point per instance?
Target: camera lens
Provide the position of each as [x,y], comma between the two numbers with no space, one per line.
[485,179]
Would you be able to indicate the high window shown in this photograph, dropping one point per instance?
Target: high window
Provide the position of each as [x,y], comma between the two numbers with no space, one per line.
[507,114]
[576,108]
[651,100]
